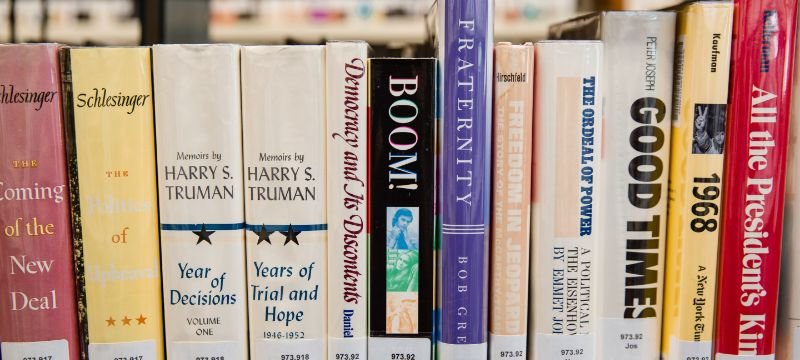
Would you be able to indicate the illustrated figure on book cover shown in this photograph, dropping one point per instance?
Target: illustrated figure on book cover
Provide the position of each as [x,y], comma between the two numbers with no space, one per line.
[399,237]
[402,270]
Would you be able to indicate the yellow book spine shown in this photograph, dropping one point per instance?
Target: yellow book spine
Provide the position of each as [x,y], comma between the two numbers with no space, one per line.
[114,146]
[698,143]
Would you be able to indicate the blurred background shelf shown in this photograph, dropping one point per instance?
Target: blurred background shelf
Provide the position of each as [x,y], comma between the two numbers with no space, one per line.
[252,32]
[380,22]
[410,30]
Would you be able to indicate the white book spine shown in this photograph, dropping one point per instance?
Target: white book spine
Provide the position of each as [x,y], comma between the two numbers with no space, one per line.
[567,194]
[638,55]
[347,203]
[199,142]
[283,104]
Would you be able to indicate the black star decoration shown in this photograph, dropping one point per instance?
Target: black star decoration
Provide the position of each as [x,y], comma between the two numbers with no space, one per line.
[263,235]
[203,235]
[291,235]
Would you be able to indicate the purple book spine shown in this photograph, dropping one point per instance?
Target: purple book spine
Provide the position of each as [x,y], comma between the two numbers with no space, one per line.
[465,49]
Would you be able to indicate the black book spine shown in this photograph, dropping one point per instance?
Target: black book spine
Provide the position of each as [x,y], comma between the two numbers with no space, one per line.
[74,194]
[402,127]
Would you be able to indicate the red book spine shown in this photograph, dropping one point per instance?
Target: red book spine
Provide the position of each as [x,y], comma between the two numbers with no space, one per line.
[754,181]
[37,289]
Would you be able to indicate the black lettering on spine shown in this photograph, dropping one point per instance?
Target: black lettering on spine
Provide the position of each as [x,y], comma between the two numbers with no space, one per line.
[644,192]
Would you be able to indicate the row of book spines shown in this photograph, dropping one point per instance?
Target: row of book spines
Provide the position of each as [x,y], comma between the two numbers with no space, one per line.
[74,160]
[714,177]
[720,83]
[748,344]
[628,274]
[525,129]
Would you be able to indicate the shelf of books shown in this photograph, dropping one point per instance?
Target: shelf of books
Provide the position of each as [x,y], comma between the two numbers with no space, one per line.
[625,189]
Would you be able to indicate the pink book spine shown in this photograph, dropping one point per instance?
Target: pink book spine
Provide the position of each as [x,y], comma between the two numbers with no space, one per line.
[37,289]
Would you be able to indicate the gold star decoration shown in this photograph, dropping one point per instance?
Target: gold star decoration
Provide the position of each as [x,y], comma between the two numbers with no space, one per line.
[126,320]
[111,321]
[141,320]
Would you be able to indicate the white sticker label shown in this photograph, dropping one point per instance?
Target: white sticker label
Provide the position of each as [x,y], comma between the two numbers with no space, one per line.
[392,348]
[564,347]
[38,350]
[205,350]
[303,349]
[795,351]
[629,339]
[689,350]
[134,350]
[507,347]
[347,348]
[744,357]
[447,351]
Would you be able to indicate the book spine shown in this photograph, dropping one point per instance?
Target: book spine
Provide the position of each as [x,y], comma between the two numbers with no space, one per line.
[568,137]
[762,56]
[696,168]
[511,201]
[638,53]
[465,52]
[284,154]
[37,304]
[346,70]
[114,204]
[788,343]
[199,142]
[402,194]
